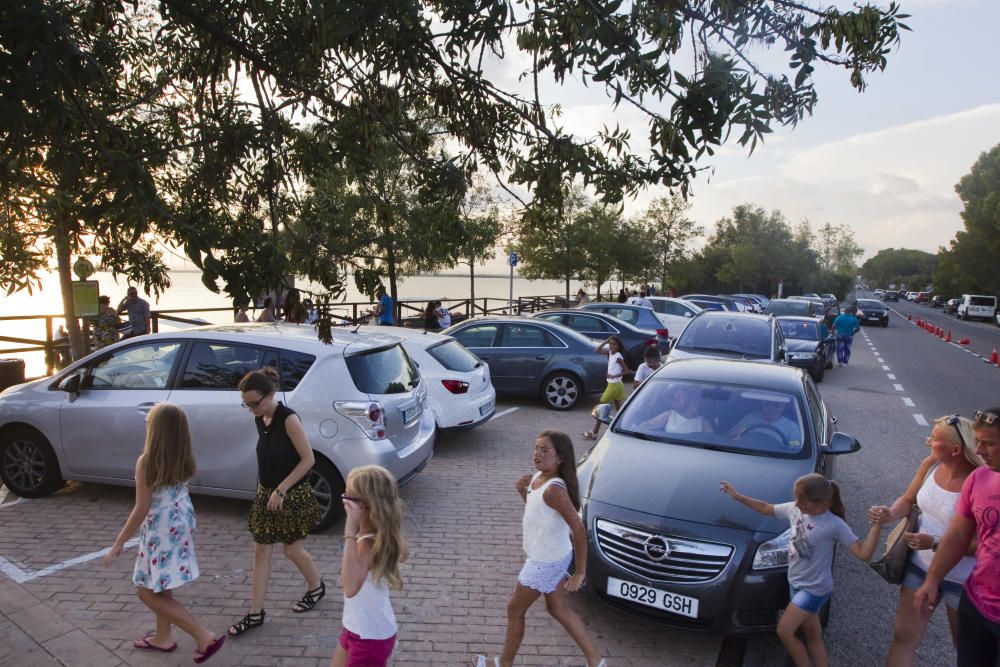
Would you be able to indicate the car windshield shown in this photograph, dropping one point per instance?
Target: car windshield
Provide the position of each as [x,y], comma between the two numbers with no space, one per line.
[714,416]
[867,304]
[799,329]
[788,308]
[728,335]
[987,301]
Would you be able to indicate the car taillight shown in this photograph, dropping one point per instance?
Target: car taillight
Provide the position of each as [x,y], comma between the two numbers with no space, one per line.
[663,333]
[650,342]
[368,415]
[455,386]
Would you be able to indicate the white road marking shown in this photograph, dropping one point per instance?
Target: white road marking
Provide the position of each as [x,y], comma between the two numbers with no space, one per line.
[21,574]
[886,368]
[890,376]
[908,402]
[897,387]
[501,414]
[920,419]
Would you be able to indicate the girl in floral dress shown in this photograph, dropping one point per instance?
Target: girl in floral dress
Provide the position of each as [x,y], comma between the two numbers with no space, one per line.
[164,517]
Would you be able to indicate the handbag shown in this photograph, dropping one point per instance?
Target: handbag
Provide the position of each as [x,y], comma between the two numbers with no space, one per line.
[892,563]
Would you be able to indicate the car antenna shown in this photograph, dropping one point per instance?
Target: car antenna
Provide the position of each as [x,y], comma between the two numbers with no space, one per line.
[356,328]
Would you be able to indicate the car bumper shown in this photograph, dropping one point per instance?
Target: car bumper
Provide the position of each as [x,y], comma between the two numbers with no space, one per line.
[737,601]
[403,463]
[455,412]
[874,320]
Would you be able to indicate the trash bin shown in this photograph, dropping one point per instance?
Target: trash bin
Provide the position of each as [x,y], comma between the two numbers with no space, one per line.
[11,372]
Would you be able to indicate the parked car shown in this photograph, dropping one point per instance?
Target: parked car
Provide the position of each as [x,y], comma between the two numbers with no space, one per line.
[533,357]
[360,398]
[638,316]
[674,313]
[951,306]
[923,297]
[879,293]
[891,295]
[727,302]
[976,306]
[871,311]
[797,307]
[937,301]
[664,544]
[599,326]
[810,344]
[911,296]
[707,305]
[760,300]
[731,336]
[459,390]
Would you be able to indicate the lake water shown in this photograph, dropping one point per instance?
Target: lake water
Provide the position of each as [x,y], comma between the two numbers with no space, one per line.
[187,291]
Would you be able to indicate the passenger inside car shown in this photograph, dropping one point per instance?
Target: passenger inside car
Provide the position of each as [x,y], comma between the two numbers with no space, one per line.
[682,411]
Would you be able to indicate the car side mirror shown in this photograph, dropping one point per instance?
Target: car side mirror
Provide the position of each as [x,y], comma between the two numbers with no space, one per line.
[71,384]
[602,413]
[841,443]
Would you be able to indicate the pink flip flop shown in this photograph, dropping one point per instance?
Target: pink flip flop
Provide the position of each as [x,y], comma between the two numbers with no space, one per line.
[144,645]
[210,650]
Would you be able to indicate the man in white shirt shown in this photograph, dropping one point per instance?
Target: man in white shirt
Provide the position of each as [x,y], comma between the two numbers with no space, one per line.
[641,300]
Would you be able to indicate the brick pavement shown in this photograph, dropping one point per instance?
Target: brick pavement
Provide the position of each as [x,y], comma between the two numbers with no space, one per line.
[463,524]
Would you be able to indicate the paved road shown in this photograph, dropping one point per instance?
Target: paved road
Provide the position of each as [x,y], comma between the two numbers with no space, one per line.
[463,522]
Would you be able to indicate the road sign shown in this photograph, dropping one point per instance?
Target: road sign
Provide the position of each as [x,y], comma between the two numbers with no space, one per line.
[85,294]
[512,259]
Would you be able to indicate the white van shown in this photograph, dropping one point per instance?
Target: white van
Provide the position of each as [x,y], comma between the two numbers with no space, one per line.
[978,306]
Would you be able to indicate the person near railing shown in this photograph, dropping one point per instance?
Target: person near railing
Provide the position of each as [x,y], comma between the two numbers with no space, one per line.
[106,323]
[138,314]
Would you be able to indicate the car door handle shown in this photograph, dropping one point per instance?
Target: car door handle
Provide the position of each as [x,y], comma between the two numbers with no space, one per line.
[541,357]
[144,408]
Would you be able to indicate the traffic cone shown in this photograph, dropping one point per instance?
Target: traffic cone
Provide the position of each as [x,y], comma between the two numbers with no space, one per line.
[947,338]
[940,332]
[993,356]
[920,322]
[964,341]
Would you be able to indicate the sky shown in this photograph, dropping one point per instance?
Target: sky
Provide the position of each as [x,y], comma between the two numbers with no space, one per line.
[884,162]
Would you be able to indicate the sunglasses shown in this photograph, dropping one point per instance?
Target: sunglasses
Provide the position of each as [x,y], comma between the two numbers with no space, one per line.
[251,404]
[953,420]
[987,418]
[353,499]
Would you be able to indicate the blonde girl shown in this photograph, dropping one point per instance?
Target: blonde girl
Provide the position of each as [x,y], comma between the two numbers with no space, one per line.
[374,548]
[553,537]
[164,517]
[817,525]
[613,348]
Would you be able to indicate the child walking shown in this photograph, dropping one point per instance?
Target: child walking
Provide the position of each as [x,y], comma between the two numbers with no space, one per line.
[617,368]
[164,517]
[373,550]
[817,522]
[553,536]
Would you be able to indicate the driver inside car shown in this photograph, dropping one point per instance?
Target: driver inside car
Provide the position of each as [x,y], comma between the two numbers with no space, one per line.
[770,420]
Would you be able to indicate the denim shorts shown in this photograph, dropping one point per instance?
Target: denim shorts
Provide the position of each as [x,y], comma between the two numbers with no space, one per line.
[806,601]
[913,578]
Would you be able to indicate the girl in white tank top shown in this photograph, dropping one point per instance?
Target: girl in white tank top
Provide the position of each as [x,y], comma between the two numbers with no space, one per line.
[553,536]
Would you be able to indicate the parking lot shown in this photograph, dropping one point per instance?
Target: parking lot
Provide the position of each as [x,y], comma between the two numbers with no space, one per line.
[463,525]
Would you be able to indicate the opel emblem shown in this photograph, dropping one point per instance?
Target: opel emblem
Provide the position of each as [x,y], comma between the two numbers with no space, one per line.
[656,548]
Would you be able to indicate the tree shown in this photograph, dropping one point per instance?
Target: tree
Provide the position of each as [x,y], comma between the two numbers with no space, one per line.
[481,227]
[551,241]
[603,240]
[671,232]
[900,266]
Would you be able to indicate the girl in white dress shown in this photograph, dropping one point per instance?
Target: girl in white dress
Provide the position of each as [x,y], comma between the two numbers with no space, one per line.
[553,536]
[164,517]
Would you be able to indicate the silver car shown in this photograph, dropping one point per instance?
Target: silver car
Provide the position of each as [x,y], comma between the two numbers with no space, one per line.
[360,399]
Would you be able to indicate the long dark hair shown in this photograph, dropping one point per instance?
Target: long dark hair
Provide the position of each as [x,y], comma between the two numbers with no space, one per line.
[567,468]
[818,489]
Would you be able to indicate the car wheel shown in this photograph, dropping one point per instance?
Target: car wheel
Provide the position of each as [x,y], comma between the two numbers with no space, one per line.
[561,391]
[327,484]
[28,465]
[817,376]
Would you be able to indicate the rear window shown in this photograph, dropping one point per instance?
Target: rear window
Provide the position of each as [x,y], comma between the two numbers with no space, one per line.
[729,417]
[728,335]
[385,371]
[988,301]
[453,356]
[788,308]
[799,330]
[868,304]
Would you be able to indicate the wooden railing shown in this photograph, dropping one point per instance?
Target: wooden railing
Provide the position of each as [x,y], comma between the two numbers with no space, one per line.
[408,313]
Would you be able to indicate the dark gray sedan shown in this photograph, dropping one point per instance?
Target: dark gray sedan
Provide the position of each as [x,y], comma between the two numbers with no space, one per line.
[664,543]
[599,326]
[534,357]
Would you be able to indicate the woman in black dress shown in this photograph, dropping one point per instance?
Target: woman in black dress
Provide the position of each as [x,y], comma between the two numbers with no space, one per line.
[285,508]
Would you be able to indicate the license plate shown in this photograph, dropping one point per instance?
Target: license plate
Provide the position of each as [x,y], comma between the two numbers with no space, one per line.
[485,409]
[653,597]
[411,413]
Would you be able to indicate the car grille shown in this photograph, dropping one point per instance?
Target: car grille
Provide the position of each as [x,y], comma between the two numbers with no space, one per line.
[641,552]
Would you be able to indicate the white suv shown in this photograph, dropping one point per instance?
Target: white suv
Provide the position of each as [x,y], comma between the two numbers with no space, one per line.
[361,401]
[977,306]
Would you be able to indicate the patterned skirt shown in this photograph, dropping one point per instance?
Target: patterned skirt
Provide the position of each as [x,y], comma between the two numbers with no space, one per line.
[297,516]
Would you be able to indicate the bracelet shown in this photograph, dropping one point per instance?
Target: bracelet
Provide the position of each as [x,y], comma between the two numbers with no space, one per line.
[280,493]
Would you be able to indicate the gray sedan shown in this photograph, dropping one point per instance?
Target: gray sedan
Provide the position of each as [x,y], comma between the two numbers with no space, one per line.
[664,543]
[533,357]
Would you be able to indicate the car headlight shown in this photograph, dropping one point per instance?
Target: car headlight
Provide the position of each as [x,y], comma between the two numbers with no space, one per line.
[773,553]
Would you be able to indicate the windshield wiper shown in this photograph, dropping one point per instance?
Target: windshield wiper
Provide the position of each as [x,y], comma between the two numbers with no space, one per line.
[723,350]
[638,434]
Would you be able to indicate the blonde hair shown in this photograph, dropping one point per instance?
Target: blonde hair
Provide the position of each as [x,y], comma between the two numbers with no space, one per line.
[376,488]
[168,458]
[963,434]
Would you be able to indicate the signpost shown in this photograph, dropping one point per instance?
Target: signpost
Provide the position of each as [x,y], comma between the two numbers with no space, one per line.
[512,260]
[781,286]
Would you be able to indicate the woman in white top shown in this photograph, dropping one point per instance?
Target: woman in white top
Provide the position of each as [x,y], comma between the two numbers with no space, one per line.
[374,548]
[935,489]
[685,415]
[614,393]
[553,536]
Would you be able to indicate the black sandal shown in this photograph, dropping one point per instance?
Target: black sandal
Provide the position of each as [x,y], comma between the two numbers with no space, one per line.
[248,622]
[310,599]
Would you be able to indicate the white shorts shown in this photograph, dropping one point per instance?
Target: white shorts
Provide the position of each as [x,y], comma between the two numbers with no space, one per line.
[544,576]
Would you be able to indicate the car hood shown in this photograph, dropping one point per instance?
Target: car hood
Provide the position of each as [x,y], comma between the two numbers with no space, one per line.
[801,345]
[678,353]
[682,482]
